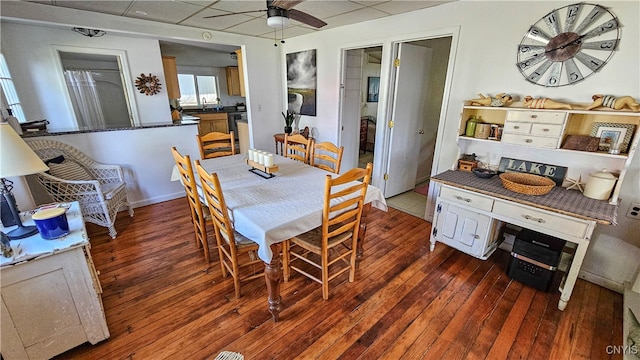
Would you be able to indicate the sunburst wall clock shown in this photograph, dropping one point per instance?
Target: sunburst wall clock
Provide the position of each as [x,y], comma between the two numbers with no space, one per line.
[568,44]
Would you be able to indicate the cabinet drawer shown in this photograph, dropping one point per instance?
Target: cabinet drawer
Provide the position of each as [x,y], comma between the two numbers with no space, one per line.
[529,140]
[545,219]
[517,128]
[546,130]
[466,198]
[546,117]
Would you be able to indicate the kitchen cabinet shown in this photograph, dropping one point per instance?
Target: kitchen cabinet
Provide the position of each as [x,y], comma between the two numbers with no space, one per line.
[217,122]
[240,72]
[545,131]
[50,294]
[233,81]
[171,76]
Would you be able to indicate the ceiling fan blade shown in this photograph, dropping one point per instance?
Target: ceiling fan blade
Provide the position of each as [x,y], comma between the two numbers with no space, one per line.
[306,18]
[234,13]
[285,4]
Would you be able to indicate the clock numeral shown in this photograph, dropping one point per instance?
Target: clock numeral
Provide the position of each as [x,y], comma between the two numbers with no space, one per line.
[531,49]
[526,64]
[554,75]
[535,33]
[537,73]
[573,73]
[572,14]
[589,61]
[552,22]
[601,29]
[608,45]
[595,13]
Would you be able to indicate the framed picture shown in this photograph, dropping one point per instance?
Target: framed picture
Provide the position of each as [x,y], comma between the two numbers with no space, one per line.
[302,82]
[373,88]
[613,133]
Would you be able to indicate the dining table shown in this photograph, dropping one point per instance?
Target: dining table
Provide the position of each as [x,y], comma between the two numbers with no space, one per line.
[271,210]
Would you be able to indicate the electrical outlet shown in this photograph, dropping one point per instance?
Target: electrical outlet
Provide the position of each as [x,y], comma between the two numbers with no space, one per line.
[634,211]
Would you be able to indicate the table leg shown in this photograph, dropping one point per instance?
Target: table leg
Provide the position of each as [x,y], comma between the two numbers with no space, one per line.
[272,274]
[362,232]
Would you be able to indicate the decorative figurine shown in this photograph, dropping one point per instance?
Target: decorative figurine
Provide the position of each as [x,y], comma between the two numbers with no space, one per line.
[544,103]
[616,103]
[499,100]
[575,183]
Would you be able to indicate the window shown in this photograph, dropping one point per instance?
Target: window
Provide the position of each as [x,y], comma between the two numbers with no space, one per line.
[9,94]
[197,90]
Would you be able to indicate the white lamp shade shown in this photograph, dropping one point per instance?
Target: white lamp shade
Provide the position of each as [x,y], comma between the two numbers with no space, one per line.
[16,157]
[278,22]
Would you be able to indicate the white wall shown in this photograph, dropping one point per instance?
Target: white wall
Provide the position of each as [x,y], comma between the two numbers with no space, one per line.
[485,63]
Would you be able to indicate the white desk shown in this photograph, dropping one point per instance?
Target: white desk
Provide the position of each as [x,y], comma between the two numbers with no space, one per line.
[269,211]
[565,214]
[50,294]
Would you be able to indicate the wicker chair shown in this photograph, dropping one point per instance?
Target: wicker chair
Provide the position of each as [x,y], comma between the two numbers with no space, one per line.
[99,188]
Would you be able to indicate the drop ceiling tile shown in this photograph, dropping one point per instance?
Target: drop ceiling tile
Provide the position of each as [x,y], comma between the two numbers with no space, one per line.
[289,32]
[107,7]
[253,27]
[323,8]
[237,6]
[218,23]
[164,11]
[402,6]
[361,15]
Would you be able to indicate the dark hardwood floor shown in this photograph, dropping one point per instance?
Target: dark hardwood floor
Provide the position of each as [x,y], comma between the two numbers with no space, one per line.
[162,301]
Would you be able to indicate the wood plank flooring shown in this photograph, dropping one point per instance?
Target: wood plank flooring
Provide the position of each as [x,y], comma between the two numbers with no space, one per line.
[162,301]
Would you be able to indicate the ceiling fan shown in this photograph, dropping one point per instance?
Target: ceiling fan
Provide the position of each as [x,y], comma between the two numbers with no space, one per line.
[280,11]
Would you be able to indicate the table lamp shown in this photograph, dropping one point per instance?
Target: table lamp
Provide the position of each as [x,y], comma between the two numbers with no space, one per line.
[16,159]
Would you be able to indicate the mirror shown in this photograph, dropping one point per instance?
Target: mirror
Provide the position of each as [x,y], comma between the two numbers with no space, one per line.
[97,89]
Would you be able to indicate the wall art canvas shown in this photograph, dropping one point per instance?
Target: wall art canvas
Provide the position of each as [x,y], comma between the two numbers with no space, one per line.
[302,82]
[373,88]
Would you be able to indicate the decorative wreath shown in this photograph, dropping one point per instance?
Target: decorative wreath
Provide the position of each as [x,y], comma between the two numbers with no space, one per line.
[148,84]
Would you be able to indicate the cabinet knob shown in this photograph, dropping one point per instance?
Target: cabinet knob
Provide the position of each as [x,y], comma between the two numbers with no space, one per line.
[463,199]
[534,116]
[545,130]
[516,127]
[476,236]
[528,141]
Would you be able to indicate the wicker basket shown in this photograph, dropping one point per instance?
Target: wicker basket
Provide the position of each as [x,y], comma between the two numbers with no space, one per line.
[529,184]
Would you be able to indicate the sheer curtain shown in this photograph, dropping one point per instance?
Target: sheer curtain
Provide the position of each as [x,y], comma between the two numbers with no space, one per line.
[84,97]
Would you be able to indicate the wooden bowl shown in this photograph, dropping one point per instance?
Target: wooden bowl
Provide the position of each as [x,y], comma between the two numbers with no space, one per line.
[529,184]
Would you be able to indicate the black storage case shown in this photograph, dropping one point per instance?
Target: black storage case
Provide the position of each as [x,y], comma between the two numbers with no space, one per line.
[535,258]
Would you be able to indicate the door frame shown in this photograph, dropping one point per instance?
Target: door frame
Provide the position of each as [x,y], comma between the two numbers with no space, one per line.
[383,133]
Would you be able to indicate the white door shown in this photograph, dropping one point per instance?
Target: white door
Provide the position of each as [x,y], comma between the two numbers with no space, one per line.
[408,109]
[350,114]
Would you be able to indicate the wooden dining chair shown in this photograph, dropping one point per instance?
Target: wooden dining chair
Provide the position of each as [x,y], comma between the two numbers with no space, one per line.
[198,212]
[238,254]
[297,147]
[331,248]
[326,156]
[216,144]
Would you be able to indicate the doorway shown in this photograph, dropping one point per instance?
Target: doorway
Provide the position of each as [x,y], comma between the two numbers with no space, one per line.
[429,92]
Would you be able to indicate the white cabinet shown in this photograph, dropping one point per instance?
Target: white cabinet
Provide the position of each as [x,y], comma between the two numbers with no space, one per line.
[534,128]
[50,295]
[462,226]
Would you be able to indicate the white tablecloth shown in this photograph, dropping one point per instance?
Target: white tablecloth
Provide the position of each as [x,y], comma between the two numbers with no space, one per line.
[269,211]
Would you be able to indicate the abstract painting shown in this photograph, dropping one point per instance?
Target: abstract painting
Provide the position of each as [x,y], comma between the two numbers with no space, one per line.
[302,82]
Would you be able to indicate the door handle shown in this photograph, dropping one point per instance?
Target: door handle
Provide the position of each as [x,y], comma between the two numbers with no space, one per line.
[421,131]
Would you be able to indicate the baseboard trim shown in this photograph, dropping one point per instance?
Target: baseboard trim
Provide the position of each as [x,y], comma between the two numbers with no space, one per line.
[602,281]
[155,200]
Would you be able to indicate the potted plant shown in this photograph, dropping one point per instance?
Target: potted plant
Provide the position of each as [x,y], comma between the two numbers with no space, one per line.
[289,118]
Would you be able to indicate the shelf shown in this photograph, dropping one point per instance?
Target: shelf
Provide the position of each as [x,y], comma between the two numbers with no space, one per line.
[589,153]
[580,110]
